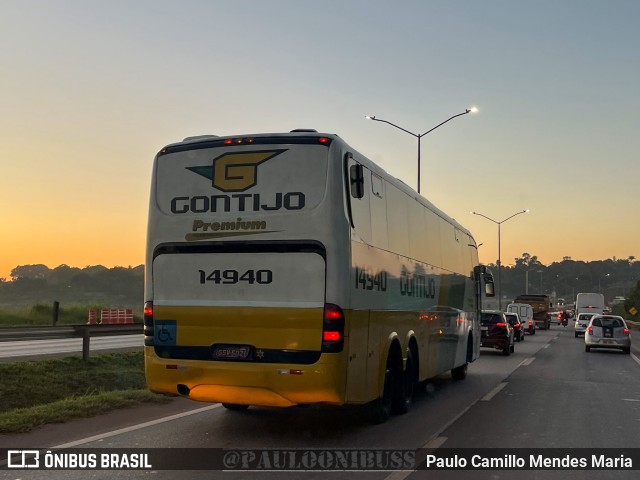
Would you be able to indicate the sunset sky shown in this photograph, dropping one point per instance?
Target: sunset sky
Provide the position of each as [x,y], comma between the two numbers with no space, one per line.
[91,90]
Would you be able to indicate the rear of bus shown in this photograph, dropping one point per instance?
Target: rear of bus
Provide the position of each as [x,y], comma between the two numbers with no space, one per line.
[237,310]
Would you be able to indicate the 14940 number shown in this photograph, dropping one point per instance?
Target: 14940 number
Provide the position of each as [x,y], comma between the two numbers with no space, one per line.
[367,280]
[231,277]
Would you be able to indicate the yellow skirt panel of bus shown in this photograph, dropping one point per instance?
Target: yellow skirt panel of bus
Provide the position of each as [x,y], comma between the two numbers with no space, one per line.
[250,383]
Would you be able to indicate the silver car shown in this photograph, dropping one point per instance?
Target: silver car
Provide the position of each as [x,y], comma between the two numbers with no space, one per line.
[582,322]
[607,331]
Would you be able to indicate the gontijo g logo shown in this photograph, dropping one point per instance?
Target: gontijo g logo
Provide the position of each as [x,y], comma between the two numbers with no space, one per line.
[235,171]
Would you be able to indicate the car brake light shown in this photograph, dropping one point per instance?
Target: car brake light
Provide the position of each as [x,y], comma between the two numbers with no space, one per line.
[590,330]
[531,323]
[626,331]
[501,324]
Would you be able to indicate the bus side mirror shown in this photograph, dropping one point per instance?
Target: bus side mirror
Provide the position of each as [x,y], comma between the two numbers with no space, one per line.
[489,287]
[356,179]
[483,274]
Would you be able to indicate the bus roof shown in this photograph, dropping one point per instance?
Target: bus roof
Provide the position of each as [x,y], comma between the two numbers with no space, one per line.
[303,136]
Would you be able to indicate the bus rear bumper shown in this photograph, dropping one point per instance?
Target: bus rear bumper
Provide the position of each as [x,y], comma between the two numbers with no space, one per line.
[272,385]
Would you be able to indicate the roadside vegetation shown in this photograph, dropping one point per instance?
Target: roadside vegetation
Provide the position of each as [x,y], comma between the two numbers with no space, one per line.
[41,315]
[36,393]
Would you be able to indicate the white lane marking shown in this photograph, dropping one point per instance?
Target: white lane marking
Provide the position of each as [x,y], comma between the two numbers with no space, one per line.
[546,345]
[636,359]
[399,475]
[527,361]
[437,440]
[631,399]
[139,426]
[435,443]
[494,392]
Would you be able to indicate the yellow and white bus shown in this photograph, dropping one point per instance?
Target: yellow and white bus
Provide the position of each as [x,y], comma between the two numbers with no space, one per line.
[286,269]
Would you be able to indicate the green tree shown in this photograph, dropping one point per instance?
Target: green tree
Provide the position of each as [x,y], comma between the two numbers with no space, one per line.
[632,304]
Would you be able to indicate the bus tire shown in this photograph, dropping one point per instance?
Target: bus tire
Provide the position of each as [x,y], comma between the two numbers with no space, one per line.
[459,373]
[235,406]
[382,408]
[407,386]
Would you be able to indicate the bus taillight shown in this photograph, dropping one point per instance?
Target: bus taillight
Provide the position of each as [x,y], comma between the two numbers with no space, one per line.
[148,324]
[332,329]
[330,336]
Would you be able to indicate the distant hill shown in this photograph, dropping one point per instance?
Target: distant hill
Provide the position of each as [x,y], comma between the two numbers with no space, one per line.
[120,287]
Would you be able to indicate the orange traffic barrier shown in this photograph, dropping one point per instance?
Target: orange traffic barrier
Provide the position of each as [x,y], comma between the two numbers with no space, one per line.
[109,316]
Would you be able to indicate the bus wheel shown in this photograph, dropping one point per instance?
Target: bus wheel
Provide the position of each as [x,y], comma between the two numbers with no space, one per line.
[381,408]
[408,387]
[235,406]
[459,373]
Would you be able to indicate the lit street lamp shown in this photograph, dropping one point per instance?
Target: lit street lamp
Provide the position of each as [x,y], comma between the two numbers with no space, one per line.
[499,264]
[599,281]
[419,137]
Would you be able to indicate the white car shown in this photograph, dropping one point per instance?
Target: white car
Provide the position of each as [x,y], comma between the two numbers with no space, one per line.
[582,322]
[607,331]
[525,312]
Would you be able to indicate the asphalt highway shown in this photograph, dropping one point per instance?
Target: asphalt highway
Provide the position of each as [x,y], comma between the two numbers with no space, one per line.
[550,393]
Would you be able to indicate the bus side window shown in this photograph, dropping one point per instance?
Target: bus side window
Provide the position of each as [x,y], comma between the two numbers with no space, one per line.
[356,178]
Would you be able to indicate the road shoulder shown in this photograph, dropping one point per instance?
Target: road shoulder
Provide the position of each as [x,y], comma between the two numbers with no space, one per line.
[51,435]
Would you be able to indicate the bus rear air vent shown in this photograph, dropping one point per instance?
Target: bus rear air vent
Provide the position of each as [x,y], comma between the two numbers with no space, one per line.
[303,130]
[199,137]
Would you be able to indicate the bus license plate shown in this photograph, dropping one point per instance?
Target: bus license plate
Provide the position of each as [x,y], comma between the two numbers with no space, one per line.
[232,352]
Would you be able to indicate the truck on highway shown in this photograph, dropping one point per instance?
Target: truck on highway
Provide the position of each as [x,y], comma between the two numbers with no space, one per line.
[589,303]
[540,305]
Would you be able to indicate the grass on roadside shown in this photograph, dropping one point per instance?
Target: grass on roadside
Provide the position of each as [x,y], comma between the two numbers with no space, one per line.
[35,393]
[41,315]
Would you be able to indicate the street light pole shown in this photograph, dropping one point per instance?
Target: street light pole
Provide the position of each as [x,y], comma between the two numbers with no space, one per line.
[540,272]
[419,136]
[526,276]
[499,263]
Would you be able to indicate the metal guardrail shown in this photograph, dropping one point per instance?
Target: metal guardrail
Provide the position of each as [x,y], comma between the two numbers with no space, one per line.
[633,325]
[72,331]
